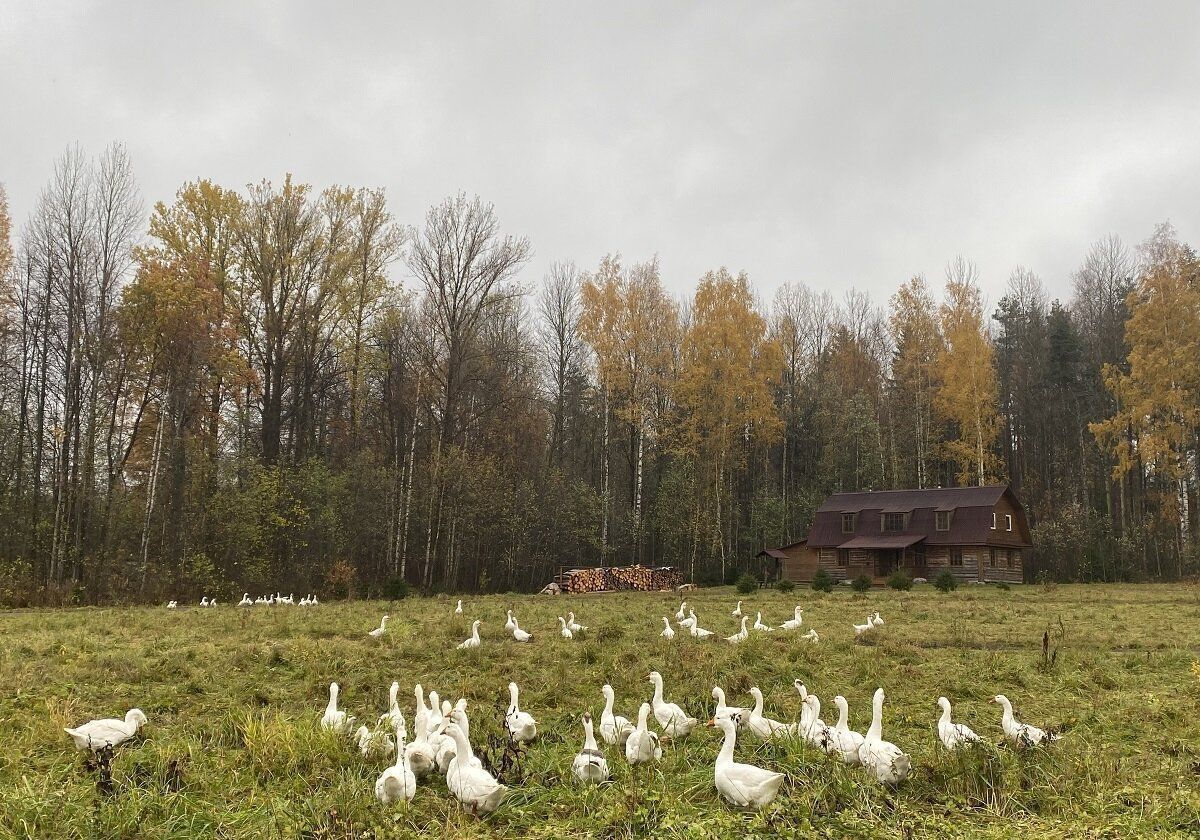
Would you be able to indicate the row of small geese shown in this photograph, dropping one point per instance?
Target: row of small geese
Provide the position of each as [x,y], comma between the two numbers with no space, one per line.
[270,600]
[442,742]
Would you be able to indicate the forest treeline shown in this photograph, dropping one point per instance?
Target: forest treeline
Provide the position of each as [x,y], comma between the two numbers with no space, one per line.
[280,387]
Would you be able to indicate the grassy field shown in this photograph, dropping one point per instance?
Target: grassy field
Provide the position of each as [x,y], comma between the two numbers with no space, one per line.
[233,747]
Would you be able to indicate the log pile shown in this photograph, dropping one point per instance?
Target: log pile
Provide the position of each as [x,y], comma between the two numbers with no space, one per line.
[620,578]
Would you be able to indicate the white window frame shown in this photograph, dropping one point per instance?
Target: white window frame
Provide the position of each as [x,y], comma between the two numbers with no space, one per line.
[1008,521]
[993,520]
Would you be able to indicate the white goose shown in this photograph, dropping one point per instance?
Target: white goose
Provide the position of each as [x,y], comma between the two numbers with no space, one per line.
[245,602]
[377,744]
[953,735]
[695,629]
[737,611]
[740,635]
[881,758]
[812,727]
[511,622]
[841,739]
[521,726]
[519,634]
[1021,734]
[877,619]
[333,719]
[393,714]
[472,642]
[687,623]
[172,605]
[811,636]
[575,626]
[614,729]
[448,748]
[758,624]
[378,632]
[590,766]
[680,613]
[475,788]
[671,717]
[668,633]
[397,782]
[743,785]
[794,622]
[859,629]
[764,727]
[566,631]
[421,753]
[722,709]
[107,732]
[642,746]
[204,601]
[458,607]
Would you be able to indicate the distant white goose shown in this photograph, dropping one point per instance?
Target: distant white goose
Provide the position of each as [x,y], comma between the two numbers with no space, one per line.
[953,735]
[521,726]
[794,622]
[1021,734]
[614,729]
[566,631]
[590,766]
[668,633]
[475,788]
[737,611]
[642,746]
[245,602]
[519,634]
[743,785]
[172,605]
[758,624]
[458,607]
[204,601]
[859,629]
[762,726]
[877,619]
[107,732]
[511,622]
[740,635]
[842,740]
[472,642]
[377,744]
[380,630]
[883,759]
[811,636]
[722,709]
[398,782]
[680,613]
[575,626]
[335,720]
[670,716]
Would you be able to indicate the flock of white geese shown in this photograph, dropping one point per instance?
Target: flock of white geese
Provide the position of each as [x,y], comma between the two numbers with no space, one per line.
[442,744]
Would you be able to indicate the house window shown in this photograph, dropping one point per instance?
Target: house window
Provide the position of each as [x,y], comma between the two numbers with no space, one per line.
[955,556]
[1008,521]
[843,559]
[1008,558]
[991,558]
[993,520]
[893,522]
[941,520]
[847,523]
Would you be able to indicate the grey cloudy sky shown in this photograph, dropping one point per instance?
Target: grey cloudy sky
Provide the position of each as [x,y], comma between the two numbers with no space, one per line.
[841,144]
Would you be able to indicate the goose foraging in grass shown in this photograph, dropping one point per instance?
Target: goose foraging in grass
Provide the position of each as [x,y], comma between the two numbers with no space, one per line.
[377,744]
[107,732]
[614,729]
[335,720]
[378,632]
[472,642]
[642,746]
[743,785]
[667,633]
[762,726]
[521,726]
[398,782]
[671,717]
[590,766]
[882,759]
[719,695]
[1021,734]
[841,740]
[575,626]
[953,735]
[737,611]
[740,635]
[794,622]
[475,788]
[811,636]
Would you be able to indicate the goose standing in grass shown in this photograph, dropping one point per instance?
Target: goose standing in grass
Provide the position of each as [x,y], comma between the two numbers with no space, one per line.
[511,622]
[590,766]
[335,720]
[378,632]
[107,732]
[475,788]
[449,747]
[737,611]
[695,629]
[575,626]
[566,631]
[812,727]
[521,726]
[1021,734]
[245,602]
[722,709]
[642,746]
[883,759]
[762,726]
[811,636]
[859,629]
[393,713]
[458,607]
[667,633]
[421,753]
[614,729]
[671,717]
[473,641]
[758,624]
[204,601]
[877,619]
[519,634]
[841,740]
[398,782]
[377,744]
[422,713]
[794,622]
[740,635]
[953,735]
[743,785]
[172,605]
[687,623]
[680,613]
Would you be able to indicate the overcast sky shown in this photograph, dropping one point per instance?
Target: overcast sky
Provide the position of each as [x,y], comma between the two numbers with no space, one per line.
[841,144]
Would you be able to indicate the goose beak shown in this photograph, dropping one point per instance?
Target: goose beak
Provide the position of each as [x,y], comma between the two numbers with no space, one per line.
[712,722]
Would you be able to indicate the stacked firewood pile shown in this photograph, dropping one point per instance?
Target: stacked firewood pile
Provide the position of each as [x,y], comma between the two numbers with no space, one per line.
[620,578]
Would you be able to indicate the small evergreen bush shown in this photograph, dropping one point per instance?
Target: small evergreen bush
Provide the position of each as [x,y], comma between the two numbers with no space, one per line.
[396,588]
[785,586]
[862,583]
[945,581]
[747,583]
[822,581]
[900,581]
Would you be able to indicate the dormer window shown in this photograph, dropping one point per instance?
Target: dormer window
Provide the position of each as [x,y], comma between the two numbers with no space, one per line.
[893,522]
[941,520]
[1008,521]
[847,523]
[993,520]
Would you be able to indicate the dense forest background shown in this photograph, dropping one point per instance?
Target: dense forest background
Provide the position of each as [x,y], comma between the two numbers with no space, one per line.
[284,388]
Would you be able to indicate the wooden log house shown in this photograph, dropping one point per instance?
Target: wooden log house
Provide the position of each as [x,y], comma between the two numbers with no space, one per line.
[978,533]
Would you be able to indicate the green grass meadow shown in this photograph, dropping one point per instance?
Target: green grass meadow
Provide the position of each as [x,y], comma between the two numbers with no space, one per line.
[233,748]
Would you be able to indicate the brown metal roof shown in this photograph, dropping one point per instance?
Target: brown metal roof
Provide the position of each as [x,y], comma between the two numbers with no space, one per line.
[883,541]
[777,553]
[933,497]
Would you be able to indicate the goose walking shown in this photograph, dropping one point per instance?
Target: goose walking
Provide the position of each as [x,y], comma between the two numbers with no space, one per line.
[590,766]
[614,729]
[883,759]
[397,782]
[472,642]
[841,739]
[953,735]
[642,746]
[107,732]
[1021,734]
[670,716]
[667,633]
[335,720]
[743,785]
[877,619]
[695,629]
[521,726]
[796,620]
[378,632]
[758,624]
[740,635]
[475,788]
[421,753]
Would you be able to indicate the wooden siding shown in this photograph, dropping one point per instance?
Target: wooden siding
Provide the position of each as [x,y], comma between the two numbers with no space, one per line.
[800,565]
[974,566]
